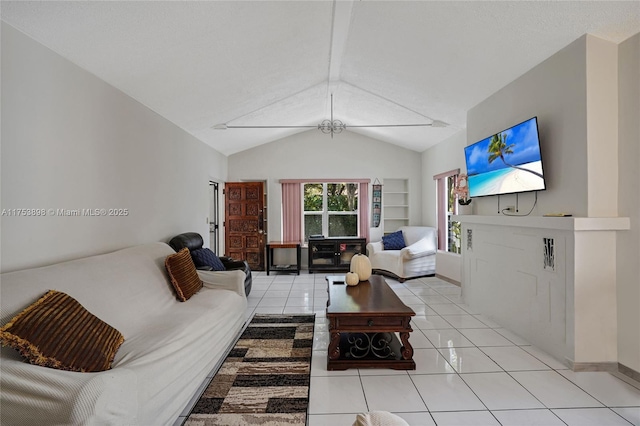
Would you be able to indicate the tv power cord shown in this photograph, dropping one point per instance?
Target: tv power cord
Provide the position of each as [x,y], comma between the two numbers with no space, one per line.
[507,211]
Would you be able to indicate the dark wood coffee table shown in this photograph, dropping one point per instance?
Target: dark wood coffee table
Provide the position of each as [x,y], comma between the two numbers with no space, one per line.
[363,322]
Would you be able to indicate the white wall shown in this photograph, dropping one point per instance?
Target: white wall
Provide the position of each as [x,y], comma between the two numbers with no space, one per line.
[445,156]
[573,93]
[555,92]
[586,98]
[314,155]
[71,141]
[628,243]
[602,127]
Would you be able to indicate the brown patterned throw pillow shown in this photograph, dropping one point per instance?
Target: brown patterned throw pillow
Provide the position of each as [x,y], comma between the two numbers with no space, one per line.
[183,274]
[58,332]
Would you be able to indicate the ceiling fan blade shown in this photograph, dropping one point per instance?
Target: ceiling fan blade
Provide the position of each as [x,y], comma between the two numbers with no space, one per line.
[332,126]
[390,125]
[270,127]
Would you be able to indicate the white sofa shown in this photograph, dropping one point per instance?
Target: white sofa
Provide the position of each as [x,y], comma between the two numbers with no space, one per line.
[170,347]
[417,259]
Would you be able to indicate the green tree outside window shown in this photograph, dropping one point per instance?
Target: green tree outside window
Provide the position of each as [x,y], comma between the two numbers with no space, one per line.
[330,209]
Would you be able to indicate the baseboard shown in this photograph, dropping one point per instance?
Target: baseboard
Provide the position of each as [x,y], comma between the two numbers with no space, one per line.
[629,372]
[593,366]
[447,279]
[611,367]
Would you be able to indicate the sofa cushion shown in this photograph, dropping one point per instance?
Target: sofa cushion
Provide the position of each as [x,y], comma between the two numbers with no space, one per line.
[421,248]
[190,240]
[57,331]
[183,274]
[394,241]
[205,257]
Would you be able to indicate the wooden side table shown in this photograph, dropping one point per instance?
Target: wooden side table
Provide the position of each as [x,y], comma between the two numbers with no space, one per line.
[271,245]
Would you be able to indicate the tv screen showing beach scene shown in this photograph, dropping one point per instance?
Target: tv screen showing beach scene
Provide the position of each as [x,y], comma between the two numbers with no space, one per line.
[507,162]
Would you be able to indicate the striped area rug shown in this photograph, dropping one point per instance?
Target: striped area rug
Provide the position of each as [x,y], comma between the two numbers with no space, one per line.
[265,378]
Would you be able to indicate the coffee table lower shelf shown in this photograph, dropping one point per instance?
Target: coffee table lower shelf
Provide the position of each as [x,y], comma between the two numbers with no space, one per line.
[369,350]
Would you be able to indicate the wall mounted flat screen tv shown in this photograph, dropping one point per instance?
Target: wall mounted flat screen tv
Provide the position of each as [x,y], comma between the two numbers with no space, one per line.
[507,162]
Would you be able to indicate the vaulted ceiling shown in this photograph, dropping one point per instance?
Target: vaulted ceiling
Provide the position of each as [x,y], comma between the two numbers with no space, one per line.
[200,64]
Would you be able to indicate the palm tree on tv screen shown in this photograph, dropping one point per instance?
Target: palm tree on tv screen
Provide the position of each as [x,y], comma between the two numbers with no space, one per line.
[498,148]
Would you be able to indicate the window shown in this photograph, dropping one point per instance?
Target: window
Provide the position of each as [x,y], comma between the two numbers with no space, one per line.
[330,209]
[293,217]
[448,230]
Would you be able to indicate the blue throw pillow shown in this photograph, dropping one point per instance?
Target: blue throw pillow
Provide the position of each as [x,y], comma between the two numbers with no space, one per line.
[205,257]
[394,241]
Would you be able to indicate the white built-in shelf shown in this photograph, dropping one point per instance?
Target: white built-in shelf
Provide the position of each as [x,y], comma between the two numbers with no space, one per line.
[395,204]
[544,222]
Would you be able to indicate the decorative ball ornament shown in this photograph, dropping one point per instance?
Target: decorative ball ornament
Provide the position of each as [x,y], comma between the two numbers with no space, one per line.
[361,265]
[351,278]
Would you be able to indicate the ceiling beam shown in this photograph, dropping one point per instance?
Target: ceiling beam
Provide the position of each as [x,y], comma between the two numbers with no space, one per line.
[340,25]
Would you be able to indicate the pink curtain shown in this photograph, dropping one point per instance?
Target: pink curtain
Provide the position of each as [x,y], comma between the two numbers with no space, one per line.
[363,202]
[442,200]
[291,212]
[441,191]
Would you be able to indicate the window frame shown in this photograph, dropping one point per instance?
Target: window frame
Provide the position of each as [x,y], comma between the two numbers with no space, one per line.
[447,205]
[325,212]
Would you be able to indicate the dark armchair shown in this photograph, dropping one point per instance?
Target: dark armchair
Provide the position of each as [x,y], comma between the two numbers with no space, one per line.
[193,241]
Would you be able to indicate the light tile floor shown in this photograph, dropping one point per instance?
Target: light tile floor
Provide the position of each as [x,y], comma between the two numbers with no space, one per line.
[470,370]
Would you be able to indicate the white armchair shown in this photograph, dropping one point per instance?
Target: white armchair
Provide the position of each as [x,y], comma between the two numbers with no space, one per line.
[417,259]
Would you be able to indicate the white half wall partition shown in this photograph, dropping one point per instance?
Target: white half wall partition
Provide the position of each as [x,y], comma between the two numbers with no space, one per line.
[550,280]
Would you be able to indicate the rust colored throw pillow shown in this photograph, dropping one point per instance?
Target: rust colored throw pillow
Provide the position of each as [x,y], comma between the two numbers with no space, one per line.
[58,332]
[183,274]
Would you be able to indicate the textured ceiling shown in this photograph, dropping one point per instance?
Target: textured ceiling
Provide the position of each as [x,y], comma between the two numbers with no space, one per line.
[276,63]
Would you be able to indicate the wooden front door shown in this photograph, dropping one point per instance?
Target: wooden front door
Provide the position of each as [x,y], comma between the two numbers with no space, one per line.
[244,222]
